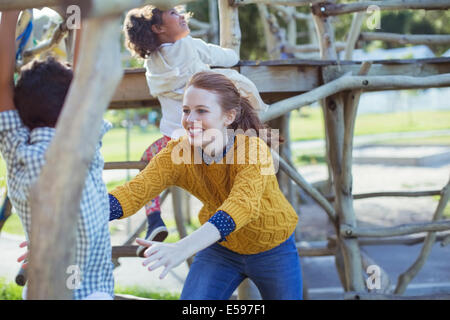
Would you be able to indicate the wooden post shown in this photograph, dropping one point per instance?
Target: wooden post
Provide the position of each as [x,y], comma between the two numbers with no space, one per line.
[230,31]
[406,277]
[271,32]
[55,198]
[213,22]
[334,120]
[355,30]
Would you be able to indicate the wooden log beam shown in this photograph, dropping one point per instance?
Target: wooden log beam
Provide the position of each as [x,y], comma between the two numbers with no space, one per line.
[409,194]
[409,240]
[272,35]
[91,8]
[405,278]
[401,230]
[430,39]
[288,14]
[230,31]
[352,36]
[213,21]
[55,198]
[351,101]
[6,5]
[385,281]
[348,82]
[332,9]
[304,251]
[274,78]
[124,251]
[333,106]
[306,48]
[125,165]
[294,3]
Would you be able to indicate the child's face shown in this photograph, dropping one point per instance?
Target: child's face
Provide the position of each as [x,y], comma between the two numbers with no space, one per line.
[174,25]
[204,120]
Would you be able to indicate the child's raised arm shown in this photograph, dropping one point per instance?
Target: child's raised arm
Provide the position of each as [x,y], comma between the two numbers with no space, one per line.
[215,55]
[7,58]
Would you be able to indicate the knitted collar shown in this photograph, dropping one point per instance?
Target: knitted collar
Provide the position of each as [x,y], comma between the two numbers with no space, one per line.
[207,159]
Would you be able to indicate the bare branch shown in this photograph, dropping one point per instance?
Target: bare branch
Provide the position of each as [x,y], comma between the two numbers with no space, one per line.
[348,82]
[310,190]
[405,278]
[331,9]
[406,38]
[392,194]
[294,3]
[400,230]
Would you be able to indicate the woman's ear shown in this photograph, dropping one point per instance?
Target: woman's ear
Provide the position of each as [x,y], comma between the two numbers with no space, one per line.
[230,117]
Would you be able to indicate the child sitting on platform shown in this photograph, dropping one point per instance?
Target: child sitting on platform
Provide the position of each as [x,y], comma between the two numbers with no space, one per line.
[247,223]
[171,58]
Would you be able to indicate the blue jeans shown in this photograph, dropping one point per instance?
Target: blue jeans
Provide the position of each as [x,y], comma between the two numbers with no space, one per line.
[216,272]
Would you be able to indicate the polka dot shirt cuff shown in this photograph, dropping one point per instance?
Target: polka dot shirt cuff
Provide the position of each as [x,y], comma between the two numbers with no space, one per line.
[223,222]
[115,209]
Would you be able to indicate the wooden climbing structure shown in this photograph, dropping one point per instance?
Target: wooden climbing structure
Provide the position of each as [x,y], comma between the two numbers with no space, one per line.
[314,74]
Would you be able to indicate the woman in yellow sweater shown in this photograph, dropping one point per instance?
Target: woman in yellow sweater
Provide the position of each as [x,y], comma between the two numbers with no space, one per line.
[247,223]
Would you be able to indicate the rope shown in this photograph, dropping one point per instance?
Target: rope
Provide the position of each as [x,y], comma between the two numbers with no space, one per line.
[3,209]
[24,37]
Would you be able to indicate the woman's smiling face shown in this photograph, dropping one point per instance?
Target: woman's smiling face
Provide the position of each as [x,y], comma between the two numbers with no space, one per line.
[204,120]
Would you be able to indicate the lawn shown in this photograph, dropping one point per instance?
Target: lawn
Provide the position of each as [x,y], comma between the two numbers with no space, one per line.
[307,124]
[11,291]
[114,146]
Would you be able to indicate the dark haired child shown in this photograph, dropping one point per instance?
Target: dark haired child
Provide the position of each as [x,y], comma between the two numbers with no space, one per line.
[171,58]
[247,223]
[28,115]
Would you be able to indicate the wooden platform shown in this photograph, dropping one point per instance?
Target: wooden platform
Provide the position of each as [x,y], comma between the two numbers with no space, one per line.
[280,79]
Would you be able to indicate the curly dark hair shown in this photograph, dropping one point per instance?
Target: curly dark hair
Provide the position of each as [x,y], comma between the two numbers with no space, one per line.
[40,92]
[137,27]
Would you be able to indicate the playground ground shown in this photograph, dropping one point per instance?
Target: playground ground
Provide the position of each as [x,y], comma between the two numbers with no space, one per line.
[319,272]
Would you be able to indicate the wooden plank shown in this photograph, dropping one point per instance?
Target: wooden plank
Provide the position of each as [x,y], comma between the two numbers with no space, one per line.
[133,87]
[282,78]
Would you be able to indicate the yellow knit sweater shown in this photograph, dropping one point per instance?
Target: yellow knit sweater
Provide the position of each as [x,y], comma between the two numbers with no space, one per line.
[243,185]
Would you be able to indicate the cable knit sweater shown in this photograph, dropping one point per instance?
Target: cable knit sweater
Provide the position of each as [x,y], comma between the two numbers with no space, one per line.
[243,185]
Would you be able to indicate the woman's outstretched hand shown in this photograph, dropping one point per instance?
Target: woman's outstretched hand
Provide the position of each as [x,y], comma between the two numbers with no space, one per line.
[170,255]
[167,255]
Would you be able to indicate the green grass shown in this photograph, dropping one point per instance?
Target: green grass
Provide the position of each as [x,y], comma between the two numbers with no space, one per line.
[13,225]
[9,291]
[143,293]
[446,213]
[114,143]
[307,124]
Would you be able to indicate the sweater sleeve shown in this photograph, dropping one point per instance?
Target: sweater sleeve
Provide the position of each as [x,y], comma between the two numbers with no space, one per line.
[244,200]
[159,174]
[215,55]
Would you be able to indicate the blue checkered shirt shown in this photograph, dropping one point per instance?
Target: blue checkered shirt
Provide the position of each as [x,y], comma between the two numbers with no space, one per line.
[24,153]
